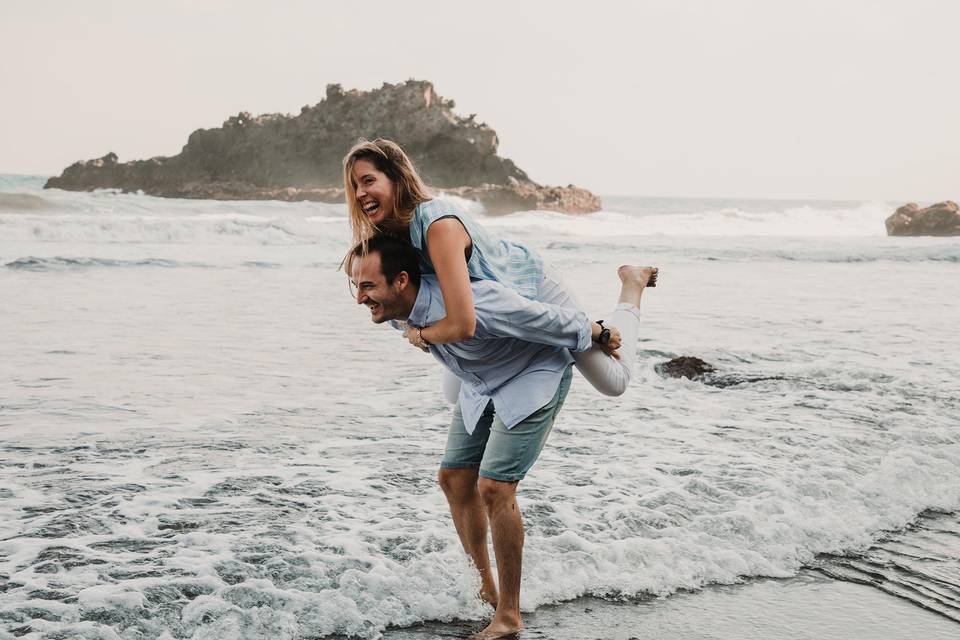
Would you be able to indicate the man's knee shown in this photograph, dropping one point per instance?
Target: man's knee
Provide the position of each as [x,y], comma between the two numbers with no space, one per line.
[457,483]
[496,492]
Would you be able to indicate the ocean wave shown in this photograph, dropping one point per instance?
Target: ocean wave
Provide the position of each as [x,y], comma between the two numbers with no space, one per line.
[863,219]
[60,263]
[104,216]
[214,228]
[810,220]
[786,250]
[919,564]
[19,202]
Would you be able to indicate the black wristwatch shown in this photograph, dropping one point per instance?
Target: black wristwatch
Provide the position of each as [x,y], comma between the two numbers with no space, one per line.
[604,336]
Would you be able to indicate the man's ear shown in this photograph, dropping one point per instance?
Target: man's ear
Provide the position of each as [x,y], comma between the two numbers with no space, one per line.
[402,281]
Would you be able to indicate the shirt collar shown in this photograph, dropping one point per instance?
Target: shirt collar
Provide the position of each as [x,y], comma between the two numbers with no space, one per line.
[420,315]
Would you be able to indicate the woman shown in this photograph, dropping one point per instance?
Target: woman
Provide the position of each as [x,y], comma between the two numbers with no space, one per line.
[383,191]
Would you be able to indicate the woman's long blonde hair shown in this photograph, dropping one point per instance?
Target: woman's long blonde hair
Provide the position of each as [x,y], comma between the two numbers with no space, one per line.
[409,190]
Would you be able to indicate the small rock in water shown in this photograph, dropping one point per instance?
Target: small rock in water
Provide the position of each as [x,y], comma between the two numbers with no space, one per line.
[684,367]
[941,219]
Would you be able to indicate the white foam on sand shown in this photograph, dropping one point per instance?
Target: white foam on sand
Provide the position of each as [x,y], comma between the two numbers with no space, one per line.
[808,606]
[338,528]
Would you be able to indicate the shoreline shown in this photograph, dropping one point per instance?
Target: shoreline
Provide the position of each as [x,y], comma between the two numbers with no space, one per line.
[808,605]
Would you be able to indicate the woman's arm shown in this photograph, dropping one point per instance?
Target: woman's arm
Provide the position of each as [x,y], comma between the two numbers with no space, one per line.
[447,243]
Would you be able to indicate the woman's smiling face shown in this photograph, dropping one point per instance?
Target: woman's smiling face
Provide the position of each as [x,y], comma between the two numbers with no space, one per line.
[375,191]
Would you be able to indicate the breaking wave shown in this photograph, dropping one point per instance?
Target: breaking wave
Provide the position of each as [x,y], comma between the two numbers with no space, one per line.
[236,228]
[58,263]
[18,202]
[646,219]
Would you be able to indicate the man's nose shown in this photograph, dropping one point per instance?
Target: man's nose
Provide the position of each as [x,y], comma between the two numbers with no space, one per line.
[361,296]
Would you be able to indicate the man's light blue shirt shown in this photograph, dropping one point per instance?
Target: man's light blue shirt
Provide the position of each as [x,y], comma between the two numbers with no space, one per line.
[517,355]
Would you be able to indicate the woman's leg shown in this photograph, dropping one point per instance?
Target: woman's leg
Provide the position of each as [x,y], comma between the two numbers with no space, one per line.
[607,374]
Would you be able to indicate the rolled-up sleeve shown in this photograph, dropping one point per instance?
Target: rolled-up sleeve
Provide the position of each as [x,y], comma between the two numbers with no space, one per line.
[503,313]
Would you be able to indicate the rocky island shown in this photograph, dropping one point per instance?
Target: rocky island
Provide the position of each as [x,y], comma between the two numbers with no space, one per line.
[287,157]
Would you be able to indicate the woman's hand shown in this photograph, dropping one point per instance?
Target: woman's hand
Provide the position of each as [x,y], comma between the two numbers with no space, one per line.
[612,345]
[412,334]
[610,351]
[615,339]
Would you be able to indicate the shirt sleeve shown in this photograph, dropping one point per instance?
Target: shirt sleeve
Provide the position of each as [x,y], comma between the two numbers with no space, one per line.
[504,313]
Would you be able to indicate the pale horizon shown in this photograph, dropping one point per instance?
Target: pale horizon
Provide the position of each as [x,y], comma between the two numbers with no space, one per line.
[687,99]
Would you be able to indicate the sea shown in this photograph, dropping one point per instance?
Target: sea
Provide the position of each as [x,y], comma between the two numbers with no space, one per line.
[202,435]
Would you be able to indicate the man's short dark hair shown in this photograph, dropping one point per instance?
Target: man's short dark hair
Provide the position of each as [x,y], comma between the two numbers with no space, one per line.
[396,255]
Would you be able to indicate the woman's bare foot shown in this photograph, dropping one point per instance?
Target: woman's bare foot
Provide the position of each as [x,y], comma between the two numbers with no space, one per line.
[498,630]
[644,276]
[635,280]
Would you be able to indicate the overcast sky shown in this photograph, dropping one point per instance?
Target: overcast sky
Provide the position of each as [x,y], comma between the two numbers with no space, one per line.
[843,99]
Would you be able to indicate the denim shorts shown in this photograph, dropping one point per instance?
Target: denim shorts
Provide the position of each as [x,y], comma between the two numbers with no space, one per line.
[503,454]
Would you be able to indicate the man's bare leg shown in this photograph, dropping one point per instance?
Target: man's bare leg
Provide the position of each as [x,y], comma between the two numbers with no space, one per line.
[635,280]
[470,519]
[506,525]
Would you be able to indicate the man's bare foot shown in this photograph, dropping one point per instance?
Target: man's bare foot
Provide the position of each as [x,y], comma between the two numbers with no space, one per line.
[498,629]
[643,276]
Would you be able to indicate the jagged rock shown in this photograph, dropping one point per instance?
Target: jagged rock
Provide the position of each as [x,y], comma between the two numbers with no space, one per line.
[286,157]
[941,219]
[684,367]
[498,199]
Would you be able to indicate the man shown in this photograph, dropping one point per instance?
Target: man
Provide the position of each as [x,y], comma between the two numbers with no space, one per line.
[515,373]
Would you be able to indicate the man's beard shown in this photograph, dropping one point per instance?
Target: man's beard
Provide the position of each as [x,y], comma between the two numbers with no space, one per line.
[388,311]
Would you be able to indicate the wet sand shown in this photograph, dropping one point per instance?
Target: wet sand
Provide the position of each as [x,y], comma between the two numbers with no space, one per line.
[810,606]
